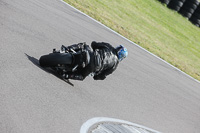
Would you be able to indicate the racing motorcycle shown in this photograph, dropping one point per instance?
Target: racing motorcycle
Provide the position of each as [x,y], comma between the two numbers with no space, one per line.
[66,60]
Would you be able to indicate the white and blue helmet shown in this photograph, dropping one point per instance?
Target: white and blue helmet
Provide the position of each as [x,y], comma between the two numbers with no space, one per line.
[121,52]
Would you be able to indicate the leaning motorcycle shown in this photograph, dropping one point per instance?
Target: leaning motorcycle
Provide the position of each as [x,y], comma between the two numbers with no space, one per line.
[66,60]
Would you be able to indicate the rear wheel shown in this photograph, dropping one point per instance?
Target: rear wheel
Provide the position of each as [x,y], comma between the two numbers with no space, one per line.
[53,59]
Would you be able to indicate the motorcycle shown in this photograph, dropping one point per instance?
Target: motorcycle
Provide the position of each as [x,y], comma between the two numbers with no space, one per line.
[66,60]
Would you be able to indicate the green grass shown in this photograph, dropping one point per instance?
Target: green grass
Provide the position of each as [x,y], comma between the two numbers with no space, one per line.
[151,25]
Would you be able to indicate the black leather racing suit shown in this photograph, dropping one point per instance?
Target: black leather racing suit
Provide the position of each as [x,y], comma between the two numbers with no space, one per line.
[103,61]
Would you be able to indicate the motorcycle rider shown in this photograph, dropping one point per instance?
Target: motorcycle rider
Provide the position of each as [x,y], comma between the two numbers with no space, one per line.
[104,59]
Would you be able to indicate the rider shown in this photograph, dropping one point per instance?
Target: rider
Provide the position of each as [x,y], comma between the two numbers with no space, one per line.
[104,59]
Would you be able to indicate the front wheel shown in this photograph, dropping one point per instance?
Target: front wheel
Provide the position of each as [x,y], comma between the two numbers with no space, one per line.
[53,59]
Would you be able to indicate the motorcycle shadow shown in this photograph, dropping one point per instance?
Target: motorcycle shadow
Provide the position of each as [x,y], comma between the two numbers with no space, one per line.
[46,69]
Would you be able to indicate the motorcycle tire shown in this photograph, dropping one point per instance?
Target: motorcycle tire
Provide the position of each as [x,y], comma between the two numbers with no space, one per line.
[55,59]
[165,1]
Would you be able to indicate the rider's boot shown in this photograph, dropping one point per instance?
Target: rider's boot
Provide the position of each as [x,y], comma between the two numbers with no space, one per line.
[73,76]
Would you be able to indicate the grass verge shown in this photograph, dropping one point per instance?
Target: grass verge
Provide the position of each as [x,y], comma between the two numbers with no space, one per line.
[151,25]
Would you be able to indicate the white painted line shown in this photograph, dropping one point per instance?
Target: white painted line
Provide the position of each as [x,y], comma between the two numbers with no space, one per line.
[130,41]
[88,124]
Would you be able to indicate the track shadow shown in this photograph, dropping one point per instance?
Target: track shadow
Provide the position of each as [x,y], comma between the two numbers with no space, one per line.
[46,69]
[36,63]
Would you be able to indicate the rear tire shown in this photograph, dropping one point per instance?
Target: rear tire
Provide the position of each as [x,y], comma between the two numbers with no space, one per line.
[53,59]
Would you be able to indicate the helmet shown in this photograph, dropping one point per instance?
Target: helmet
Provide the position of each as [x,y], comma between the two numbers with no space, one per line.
[121,52]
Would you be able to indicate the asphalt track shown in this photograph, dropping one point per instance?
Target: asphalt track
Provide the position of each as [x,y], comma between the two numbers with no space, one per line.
[143,90]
